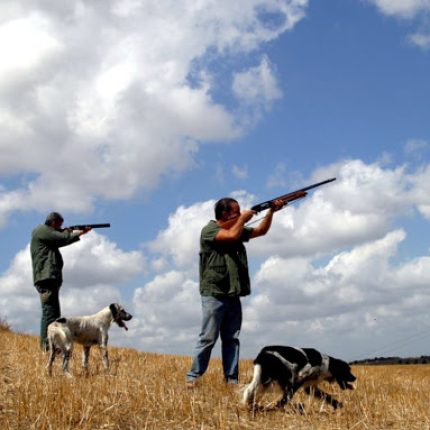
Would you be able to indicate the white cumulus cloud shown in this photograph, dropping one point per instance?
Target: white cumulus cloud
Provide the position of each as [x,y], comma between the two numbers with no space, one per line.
[95,269]
[328,272]
[402,8]
[89,87]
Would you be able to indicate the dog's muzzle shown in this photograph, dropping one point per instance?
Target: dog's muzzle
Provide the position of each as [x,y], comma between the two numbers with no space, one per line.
[123,317]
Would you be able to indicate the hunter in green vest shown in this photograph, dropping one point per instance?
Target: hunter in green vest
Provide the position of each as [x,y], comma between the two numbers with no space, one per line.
[47,262]
[223,265]
[224,278]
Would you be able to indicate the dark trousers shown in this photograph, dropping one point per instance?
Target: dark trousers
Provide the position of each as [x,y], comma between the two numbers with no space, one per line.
[48,292]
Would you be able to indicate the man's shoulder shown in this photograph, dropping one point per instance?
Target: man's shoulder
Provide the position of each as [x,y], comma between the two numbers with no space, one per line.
[211,225]
[46,232]
[210,230]
[39,229]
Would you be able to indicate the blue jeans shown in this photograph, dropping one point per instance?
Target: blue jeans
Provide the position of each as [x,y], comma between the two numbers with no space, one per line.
[221,316]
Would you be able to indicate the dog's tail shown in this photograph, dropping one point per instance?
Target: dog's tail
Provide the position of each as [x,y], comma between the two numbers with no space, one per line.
[251,390]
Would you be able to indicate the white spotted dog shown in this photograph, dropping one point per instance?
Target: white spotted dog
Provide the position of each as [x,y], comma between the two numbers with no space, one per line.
[88,331]
[293,368]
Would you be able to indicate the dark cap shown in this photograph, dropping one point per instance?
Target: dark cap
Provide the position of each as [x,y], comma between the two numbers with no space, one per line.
[53,217]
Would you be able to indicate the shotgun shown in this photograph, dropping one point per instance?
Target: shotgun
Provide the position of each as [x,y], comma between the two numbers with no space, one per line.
[290,197]
[84,226]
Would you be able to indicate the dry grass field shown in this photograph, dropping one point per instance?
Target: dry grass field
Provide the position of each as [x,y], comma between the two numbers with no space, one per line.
[147,391]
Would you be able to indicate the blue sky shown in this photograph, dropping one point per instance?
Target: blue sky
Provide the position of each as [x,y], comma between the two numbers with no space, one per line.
[144,113]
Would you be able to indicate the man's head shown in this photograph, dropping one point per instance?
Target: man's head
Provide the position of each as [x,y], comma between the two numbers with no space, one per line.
[227,209]
[54,219]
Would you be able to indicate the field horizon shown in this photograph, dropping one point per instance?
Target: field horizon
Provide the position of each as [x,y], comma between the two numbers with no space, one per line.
[147,391]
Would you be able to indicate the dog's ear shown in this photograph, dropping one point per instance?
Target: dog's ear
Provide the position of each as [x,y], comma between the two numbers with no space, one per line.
[114,309]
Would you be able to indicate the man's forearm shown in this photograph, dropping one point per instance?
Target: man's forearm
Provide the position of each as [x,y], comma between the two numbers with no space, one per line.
[235,231]
[264,225]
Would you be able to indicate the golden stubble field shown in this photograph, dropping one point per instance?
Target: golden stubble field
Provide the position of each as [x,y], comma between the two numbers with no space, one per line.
[147,391]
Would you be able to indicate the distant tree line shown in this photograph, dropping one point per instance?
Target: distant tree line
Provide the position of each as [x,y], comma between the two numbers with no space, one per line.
[423,359]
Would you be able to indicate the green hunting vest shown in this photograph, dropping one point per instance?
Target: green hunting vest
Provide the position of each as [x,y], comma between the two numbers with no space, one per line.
[223,265]
[45,255]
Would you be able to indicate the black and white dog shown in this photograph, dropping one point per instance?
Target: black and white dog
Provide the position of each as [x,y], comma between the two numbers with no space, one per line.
[88,331]
[293,368]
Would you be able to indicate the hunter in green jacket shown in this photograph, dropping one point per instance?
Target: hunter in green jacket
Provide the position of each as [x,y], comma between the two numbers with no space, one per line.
[46,239]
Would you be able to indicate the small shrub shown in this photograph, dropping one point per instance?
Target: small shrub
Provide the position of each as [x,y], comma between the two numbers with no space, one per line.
[4,326]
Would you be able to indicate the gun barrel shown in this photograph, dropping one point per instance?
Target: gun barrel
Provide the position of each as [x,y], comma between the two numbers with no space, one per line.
[318,184]
[82,226]
[290,196]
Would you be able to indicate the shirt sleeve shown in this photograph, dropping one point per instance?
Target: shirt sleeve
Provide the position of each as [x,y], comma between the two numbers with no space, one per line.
[246,234]
[210,231]
[52,237]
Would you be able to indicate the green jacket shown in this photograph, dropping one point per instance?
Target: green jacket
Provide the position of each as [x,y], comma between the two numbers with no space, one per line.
[223,265]
[45,255]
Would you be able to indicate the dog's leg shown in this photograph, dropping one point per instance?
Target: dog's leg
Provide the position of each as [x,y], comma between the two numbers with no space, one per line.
[289,387]
[105,357]
[251,390]
[67,354]
[319,394]
[104,353]
[85,358]
[51,354]
[288,394]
